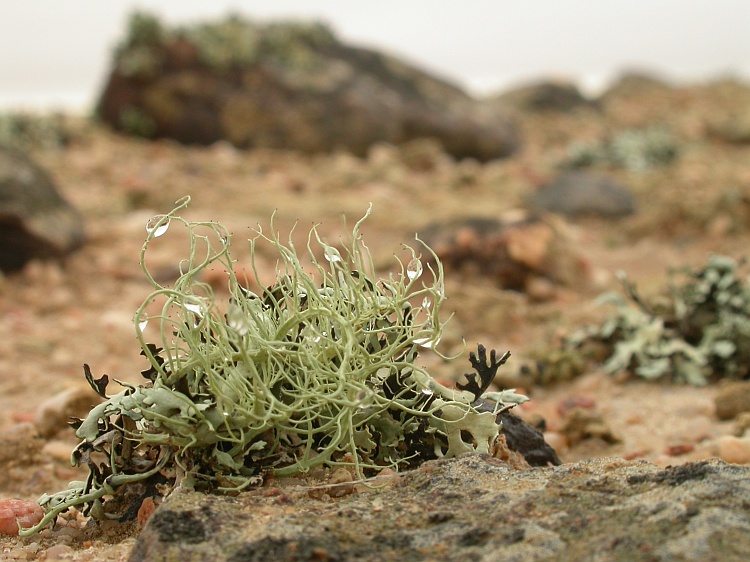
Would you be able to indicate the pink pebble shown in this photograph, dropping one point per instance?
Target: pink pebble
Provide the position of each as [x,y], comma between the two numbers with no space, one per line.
[573,402]
[15,512]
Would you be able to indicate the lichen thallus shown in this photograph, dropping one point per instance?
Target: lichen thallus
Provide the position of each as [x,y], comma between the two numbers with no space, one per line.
[317,369]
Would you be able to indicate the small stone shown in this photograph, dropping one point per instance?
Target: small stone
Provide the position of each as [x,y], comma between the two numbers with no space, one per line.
[741,424]
[55,412]
[19,512]
[734,450]
[145,511]
[540,289]
[557,441]
[58,551]
[733,399]
[583,424]
[576,401]
[59,450]
[340,483]
[680,449]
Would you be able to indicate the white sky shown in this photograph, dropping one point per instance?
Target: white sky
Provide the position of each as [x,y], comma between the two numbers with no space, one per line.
[55,53]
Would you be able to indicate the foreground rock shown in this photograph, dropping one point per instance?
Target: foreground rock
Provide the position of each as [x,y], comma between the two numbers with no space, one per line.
[35,221]
[288,86]
[473,508]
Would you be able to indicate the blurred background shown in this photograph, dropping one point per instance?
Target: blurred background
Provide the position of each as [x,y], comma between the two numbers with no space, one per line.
[56,54]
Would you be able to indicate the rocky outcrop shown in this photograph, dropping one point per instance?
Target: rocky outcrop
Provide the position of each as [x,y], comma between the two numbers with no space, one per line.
[472,508]
[287,86]
[35,220]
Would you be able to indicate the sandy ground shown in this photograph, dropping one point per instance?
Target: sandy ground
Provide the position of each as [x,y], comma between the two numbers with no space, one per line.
[55,317]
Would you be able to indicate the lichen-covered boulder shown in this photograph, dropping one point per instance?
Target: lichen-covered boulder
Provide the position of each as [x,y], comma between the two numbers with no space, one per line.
[287,86]
[35,220]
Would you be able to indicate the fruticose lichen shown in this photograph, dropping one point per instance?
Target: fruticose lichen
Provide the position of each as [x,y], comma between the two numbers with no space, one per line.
[698,331]
[317,369]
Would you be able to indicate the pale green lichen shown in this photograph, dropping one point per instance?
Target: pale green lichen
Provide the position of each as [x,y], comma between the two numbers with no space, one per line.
[317,369]
[636,150]
[697,331]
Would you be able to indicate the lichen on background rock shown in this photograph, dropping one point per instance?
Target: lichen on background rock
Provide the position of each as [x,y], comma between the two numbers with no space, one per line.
[287,85]
[636,150]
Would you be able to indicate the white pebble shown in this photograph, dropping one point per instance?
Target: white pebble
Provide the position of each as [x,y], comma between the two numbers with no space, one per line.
[734,450]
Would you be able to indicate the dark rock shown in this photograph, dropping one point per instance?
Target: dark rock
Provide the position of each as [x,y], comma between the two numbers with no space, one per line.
[575,193]
[732,400]
[525,439]
[35,221]
[514,250]
[287,86]
[478,508]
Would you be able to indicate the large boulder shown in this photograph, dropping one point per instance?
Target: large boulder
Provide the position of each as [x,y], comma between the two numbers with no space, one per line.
[471,508]
[35,220]
[287,86]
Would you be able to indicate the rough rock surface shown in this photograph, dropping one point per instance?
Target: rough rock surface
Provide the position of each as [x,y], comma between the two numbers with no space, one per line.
[35,221]
[473,508]
[583,193]
[290,86]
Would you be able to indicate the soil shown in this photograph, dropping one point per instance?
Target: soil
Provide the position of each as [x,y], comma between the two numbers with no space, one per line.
[56,316]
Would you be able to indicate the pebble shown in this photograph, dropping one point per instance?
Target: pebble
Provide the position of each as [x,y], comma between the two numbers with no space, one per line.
[573,402]
[741,424]
[384,479]
[732,400]
[557,441]
[341,483]
[735,450]
[148,506]
[679,449]
[13,512]
[693,430]
[540,289]
[59,450]
[58,551]
[53,414]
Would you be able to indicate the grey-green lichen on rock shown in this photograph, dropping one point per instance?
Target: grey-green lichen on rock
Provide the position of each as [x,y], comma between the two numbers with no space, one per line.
[697,331]
[636,150]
